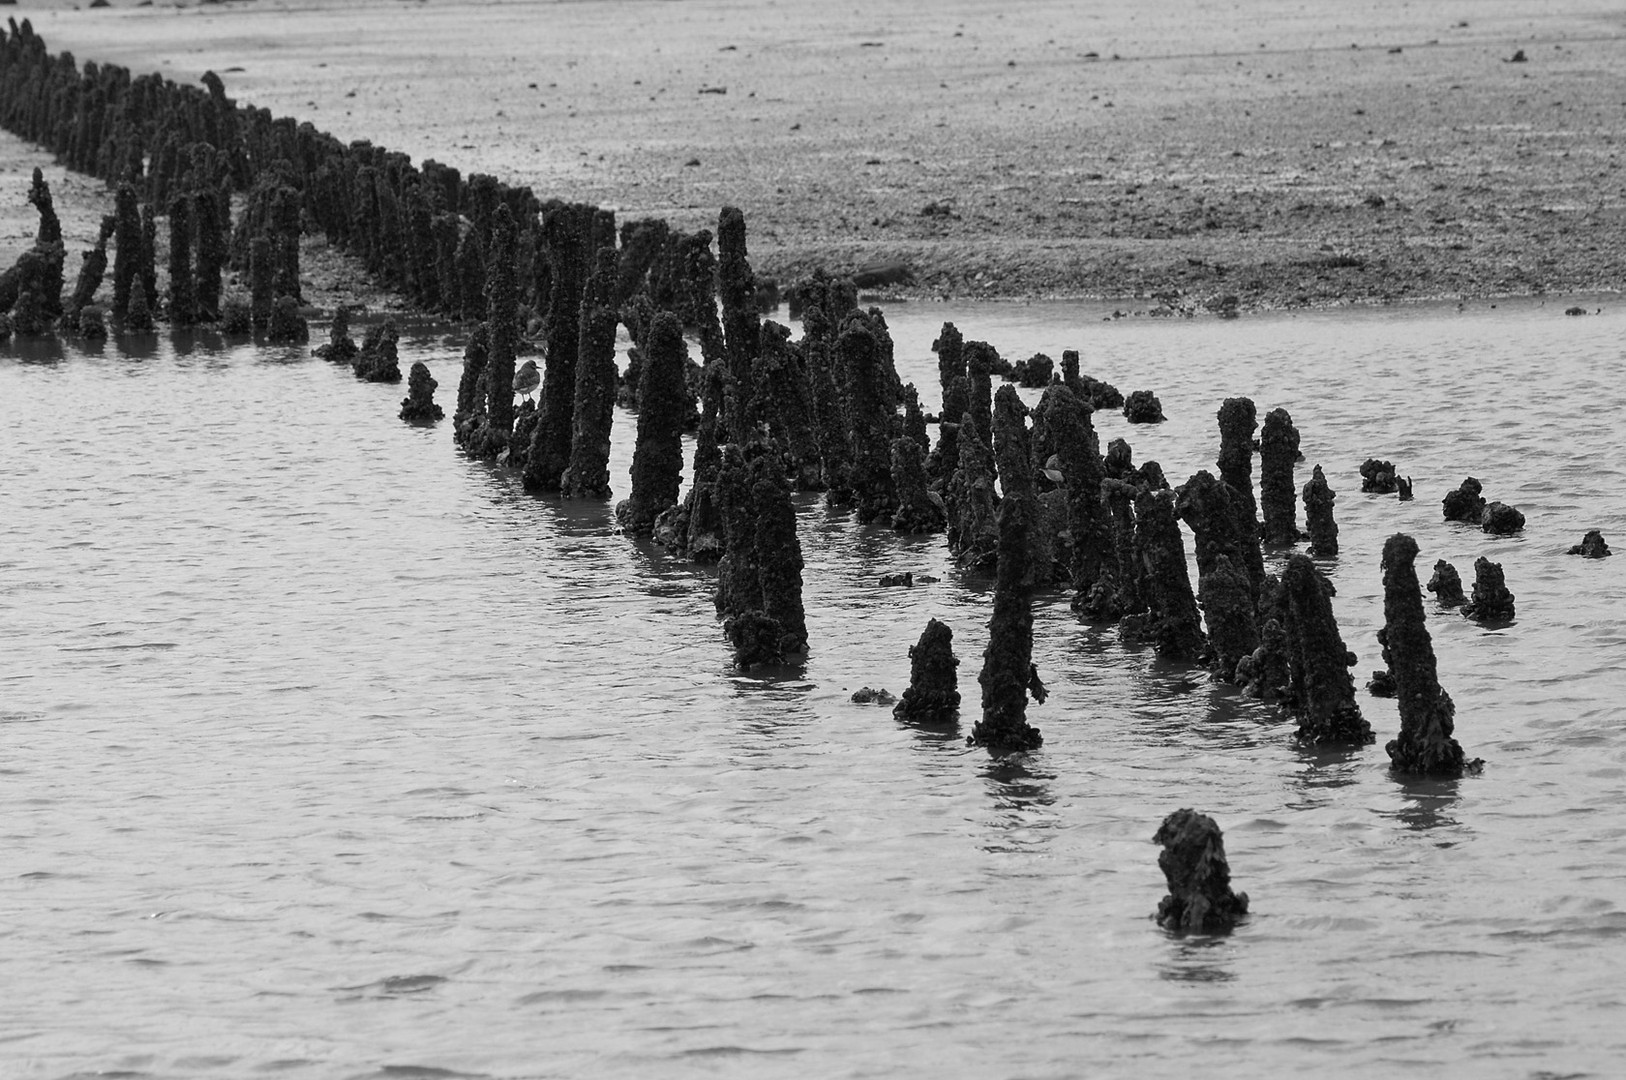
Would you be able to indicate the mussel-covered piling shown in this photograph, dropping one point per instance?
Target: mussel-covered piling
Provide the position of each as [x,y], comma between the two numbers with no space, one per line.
[1238,419]
[1170,622]
[182,301]
[1446,585]
[565,234]
[869,419]
[1007,669]
[127,249]
[588,474]
[378,360]
[736,292]
[919,509]
[1592,546]
[419,407]
[1078,453]
[1228,608]
[340,347]
[933,696]
[657,457]
[1221,526]
[1425,745]
[955,388]
[1322,689]
[1491,601]
[1501,519]
[1278,503]
[1143,407]
[973,531]
[261,276]
[288,326]
[1378,477]
[1200,899]
[759,582]
[469,416]
[1465,504]
[1318,519]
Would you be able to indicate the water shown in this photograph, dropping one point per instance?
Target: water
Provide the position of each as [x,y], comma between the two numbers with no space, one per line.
[330,753]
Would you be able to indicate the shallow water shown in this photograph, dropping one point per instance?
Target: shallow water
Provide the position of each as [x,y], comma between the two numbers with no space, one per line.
[330,753]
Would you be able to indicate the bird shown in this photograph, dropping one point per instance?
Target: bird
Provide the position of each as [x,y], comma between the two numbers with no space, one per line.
[527,379]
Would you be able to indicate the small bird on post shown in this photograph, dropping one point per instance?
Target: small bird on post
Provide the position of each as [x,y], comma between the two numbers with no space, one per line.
[527,379]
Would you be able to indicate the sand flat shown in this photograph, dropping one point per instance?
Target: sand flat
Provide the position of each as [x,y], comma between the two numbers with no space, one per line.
[1185,152]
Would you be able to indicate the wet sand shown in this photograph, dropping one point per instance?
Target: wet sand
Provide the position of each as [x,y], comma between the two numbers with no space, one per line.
[1173,153]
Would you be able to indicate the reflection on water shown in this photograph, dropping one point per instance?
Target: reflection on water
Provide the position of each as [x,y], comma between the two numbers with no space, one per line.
[1326,770]
[1022,799]
[1428,802]
[1199,958]
[352,711]
[1015,784]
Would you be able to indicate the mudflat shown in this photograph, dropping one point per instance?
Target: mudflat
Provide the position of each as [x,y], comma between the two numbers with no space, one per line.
[1192,155]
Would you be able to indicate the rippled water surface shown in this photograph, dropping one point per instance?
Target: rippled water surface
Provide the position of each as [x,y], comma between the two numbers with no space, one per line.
[326,752]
